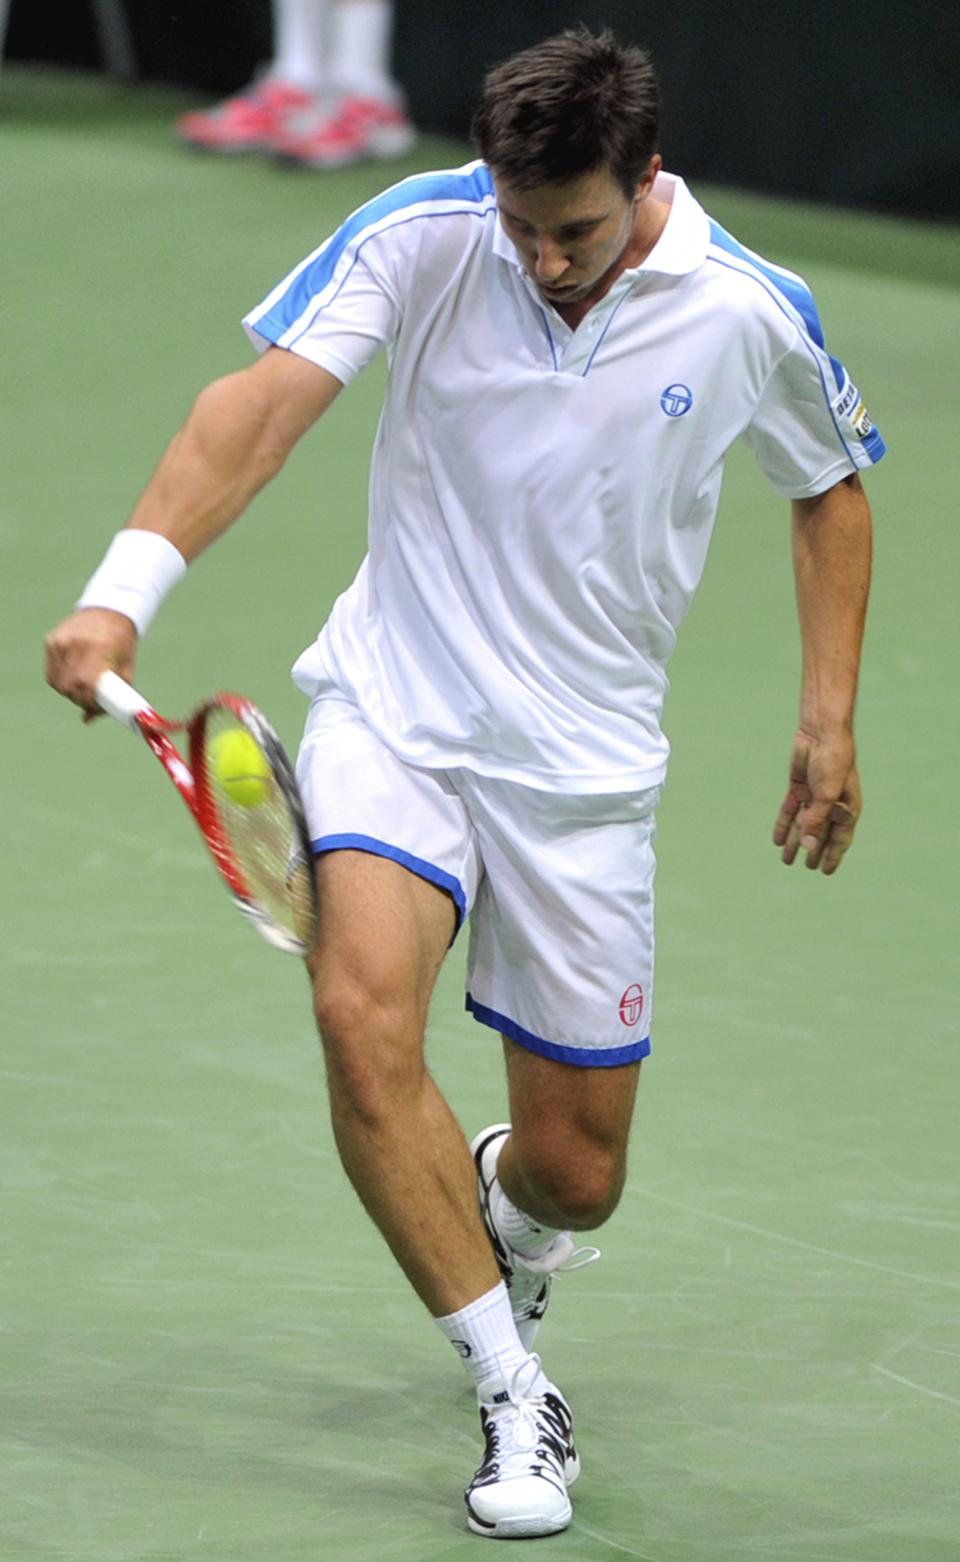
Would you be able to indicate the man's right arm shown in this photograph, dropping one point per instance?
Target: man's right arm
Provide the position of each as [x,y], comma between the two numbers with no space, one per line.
[237,437]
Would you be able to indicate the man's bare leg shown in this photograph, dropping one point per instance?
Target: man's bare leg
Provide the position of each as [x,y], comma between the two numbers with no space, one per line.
[382,938]
[381,941]
[566,1159]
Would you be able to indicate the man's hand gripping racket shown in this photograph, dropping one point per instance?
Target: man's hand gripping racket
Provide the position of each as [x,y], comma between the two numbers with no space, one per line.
[254,826]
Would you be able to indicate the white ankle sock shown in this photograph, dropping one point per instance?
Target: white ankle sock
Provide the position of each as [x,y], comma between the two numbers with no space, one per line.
[361,35]
[524,1234]
[301,45]
[485,1338]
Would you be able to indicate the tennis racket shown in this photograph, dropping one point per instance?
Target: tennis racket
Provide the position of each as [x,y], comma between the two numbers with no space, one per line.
[255,831]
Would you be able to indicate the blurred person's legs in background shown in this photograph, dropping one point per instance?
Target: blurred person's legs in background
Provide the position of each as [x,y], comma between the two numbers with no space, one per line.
[327,97]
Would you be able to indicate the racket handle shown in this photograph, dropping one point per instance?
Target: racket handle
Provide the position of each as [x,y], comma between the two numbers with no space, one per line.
[120,700]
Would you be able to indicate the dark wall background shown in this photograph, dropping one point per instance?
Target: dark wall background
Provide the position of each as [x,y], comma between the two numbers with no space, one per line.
[833,100]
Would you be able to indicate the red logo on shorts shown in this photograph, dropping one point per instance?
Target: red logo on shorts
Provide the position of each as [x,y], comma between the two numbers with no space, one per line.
[631,1005]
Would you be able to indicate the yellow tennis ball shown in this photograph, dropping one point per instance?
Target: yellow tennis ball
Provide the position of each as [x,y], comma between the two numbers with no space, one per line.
[240,767]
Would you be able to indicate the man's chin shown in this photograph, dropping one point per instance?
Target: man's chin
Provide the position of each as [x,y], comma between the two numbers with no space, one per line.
[563,295]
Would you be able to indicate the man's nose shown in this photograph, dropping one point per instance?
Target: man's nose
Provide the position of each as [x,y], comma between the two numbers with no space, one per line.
[551,262]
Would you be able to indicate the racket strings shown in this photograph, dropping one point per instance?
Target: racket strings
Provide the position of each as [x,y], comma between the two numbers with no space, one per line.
[250,792]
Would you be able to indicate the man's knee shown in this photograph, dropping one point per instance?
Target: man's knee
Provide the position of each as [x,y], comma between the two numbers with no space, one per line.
[372,1042]
[581,1179]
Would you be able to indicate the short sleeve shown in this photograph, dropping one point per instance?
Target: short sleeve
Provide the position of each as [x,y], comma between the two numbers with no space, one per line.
[339,306]
[810,427]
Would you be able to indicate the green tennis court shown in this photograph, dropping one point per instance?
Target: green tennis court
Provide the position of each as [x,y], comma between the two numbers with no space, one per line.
[205,1349]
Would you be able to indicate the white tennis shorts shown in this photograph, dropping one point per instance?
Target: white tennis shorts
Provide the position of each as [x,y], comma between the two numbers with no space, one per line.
[558,889]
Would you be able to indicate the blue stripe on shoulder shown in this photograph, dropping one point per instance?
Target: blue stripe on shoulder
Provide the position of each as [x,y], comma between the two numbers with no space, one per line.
[793,290]
[475,186]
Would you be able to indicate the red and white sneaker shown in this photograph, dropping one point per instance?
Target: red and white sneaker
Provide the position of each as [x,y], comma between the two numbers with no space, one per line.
[346,131]
[251,121]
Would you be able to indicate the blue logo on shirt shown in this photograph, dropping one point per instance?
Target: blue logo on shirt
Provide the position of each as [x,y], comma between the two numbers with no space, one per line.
[676,400]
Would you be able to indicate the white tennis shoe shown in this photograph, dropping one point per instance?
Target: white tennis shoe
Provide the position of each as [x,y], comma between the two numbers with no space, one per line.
[527,1279]
[520,1489]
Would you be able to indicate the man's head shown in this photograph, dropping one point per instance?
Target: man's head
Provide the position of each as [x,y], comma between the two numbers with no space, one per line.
[568,106]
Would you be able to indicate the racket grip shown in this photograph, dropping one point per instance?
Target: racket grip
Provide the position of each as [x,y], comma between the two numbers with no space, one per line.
[119,700]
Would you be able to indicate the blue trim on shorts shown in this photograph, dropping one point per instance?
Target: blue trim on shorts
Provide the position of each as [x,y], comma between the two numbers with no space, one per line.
[582,1057]
[418,865]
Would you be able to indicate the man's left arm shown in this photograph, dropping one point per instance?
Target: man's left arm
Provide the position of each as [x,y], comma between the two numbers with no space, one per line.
[831,559]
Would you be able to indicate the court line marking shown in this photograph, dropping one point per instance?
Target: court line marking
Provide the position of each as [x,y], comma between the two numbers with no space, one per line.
[615,1545]
[909,1383]
[153,1282]
[808,1247]
[109,832]
[36,1079]
[685,1350]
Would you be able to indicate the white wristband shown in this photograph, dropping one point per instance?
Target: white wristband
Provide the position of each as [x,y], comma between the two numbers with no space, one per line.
[138,570]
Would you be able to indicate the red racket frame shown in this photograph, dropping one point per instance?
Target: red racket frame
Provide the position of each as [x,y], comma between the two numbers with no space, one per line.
[190,779]
[125,705]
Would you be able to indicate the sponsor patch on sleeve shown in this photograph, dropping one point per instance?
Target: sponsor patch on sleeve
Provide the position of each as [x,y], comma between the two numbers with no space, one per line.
[851,414]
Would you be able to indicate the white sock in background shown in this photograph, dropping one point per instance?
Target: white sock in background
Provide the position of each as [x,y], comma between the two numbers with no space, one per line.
[361,36]
[524,1234]
[301,42]
[485,1338]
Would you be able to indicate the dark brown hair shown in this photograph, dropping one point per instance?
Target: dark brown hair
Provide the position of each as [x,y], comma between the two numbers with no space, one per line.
[573,103]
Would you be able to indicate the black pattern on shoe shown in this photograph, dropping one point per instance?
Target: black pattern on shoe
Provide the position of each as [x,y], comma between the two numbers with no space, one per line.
[530,1458]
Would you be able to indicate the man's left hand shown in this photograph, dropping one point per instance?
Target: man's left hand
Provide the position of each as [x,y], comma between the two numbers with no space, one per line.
[820,811]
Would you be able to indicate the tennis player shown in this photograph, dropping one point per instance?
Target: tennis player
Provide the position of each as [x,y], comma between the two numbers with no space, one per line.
[574,346]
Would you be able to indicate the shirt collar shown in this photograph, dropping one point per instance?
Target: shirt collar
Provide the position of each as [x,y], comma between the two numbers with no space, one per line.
[680,249]
[683,244]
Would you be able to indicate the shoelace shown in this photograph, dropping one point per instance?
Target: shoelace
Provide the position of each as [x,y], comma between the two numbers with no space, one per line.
[556,1262]
[540,1426]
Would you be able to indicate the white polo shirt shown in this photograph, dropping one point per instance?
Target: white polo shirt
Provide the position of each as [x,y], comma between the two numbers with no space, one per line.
[541,499]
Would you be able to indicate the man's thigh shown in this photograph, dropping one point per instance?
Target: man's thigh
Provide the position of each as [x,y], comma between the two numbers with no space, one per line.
[360,799]
[571,1127]
[397,869]
[569,1107]
[382,934]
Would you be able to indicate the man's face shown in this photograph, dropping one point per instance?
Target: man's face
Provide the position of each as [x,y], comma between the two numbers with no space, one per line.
[570,235]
